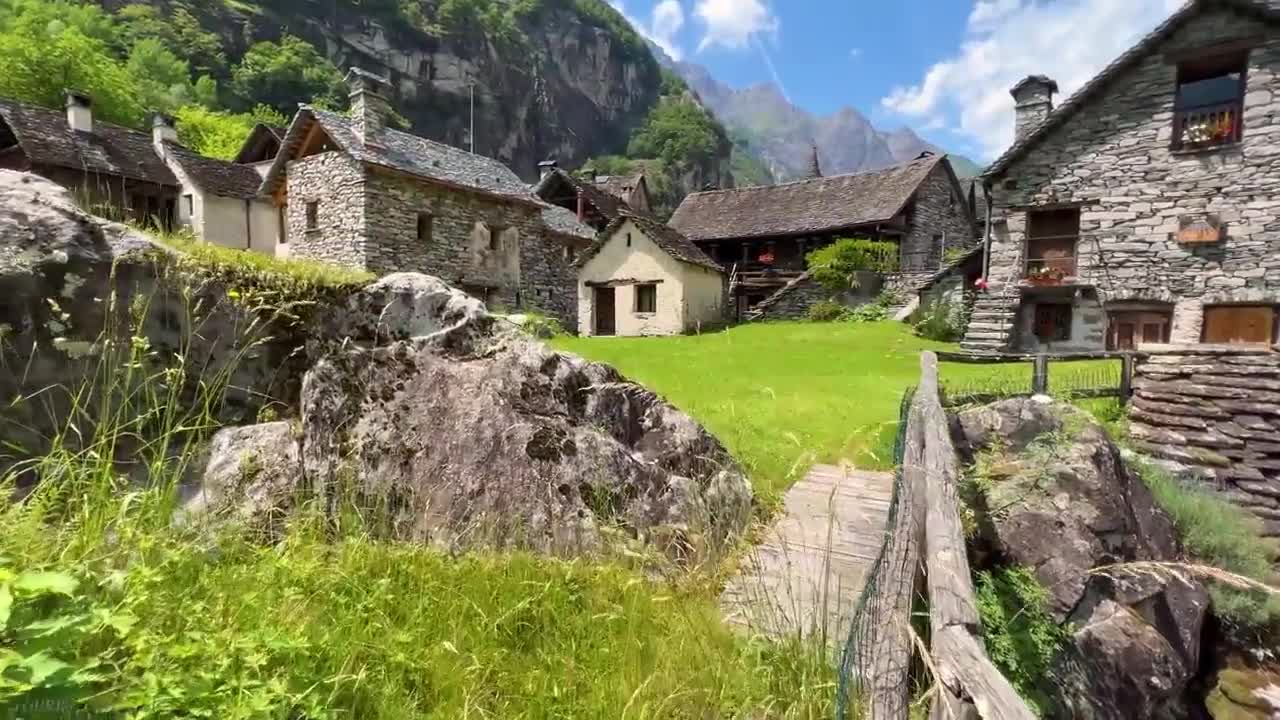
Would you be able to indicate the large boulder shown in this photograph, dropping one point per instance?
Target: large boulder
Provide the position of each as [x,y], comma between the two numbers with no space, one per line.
[446,425]
[1061,501]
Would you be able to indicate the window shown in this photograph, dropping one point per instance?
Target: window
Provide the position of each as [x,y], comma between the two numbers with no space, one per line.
[647,298]
[313,215]
[189,204]
[570,253]
[1240,324]
[495,237]
[628,239]
[424,227]
[1209,101]
[1051,244]
[1127,329]
[1053,322]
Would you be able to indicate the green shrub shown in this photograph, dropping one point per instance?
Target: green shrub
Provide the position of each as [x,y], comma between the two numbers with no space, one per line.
[870,312]
[827,311]
[1021,638]
[942,322]
[835,265]
[1217,533]
[542,326]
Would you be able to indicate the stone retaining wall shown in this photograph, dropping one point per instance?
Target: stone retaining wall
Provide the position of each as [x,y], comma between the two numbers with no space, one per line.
[1216,410]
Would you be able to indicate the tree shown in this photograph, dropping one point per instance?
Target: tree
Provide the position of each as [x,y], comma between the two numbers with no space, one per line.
[220,134]
[679,132]
[163,79]
[281,74]
[837,265]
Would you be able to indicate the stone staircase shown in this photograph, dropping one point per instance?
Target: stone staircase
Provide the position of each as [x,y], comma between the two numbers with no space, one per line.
[991,325]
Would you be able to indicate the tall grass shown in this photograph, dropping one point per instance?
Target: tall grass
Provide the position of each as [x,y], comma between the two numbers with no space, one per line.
[107,605]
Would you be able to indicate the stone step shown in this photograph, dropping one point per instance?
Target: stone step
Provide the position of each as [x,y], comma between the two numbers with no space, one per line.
[991,336]
[988,326]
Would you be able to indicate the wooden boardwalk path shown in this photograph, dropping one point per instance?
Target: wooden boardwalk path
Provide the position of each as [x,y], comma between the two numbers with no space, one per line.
[806,575]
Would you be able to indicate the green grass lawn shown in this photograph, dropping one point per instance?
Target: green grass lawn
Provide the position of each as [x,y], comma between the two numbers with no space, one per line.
[783,396]
[780,396]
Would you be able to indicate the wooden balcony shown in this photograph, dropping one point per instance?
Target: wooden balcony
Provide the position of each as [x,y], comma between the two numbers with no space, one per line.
[1050,270]
[1207,126]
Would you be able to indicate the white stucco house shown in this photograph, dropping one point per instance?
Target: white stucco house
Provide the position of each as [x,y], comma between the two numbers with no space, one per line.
[644,278]
[219,200]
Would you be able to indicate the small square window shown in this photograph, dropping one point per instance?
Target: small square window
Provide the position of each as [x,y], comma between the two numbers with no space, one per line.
[570,253]
[1053,322]
[495,237]
[646,298]
[313,215]
[189,203]
[425,223]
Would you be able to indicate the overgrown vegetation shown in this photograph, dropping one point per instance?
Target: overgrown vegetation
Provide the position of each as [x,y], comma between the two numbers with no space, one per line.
[941,321]
[836,266]
[107,605]
[874,311]
[1217,533]
[1021,637]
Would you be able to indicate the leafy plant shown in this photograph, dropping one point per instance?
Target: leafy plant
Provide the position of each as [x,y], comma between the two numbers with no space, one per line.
[281,74]
[679,132]
[942,322]
[1021,637]
[836,265]
[827,311]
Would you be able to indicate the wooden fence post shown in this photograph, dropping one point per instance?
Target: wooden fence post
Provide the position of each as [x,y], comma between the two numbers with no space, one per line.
[1040,375]
[1126,377]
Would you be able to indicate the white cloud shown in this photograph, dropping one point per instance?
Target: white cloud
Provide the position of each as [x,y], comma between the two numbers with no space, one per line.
[734,23]
[663,27]
[1006,40]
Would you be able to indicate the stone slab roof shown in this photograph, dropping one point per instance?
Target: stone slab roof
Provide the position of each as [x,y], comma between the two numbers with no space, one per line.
[666,237]
[619,186]
[605,203]
[1267,9]
[218,177]
[800,208]
[565,222]
[404,152]
[109,149]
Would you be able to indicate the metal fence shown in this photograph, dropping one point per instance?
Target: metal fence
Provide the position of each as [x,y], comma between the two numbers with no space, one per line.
[858,658]
[970,379]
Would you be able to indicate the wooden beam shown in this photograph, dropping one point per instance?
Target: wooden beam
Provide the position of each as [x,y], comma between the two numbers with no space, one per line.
[970,685]
[621,282]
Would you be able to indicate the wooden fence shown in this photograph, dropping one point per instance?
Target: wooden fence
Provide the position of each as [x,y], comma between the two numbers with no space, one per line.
[1050,373]
[925,550]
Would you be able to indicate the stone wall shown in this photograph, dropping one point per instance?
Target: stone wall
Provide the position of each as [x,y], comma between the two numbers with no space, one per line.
[940,221]
[336,181]
[1215,410]
[496,249]
[1113,159]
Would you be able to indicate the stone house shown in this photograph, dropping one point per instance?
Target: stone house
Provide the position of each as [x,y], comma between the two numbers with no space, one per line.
[219,200]
[112,170]
[761,235]
[644,278]
[353,191]
[1144,208]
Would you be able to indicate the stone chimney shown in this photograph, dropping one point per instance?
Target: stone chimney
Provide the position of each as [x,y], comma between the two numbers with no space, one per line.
[369,106]
[545,168]
[79,111]
[163,130]
[1033,101]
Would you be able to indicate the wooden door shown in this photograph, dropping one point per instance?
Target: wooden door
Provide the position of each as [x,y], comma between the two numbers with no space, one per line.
[1239,324]
[1126,329]
[605,311]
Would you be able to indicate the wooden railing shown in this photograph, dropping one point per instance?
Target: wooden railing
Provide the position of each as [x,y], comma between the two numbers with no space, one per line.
[928,534]
[1207,126]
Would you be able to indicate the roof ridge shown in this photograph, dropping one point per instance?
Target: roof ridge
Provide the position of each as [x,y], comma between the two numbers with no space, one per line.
[804,181]
[55,111]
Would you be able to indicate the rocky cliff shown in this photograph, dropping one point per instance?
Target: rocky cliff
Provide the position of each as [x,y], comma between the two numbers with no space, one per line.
[567,79]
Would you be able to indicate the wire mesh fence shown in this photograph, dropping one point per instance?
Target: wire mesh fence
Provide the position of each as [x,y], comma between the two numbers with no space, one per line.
[862,659]
[967,381]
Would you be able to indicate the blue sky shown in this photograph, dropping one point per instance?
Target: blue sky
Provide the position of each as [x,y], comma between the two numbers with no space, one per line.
[941,67]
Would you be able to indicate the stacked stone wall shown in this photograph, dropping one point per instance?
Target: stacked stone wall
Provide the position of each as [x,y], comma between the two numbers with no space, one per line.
[1113,158]
[336,181]
[1215,410]
[939,211]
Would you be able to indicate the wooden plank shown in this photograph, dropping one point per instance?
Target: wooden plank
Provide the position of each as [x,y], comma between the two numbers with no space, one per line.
[951,596]
[809,570]
[970,685]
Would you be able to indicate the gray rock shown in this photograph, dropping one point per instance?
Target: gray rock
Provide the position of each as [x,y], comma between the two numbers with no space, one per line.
[253,474]
[1066,508]
[474,435]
